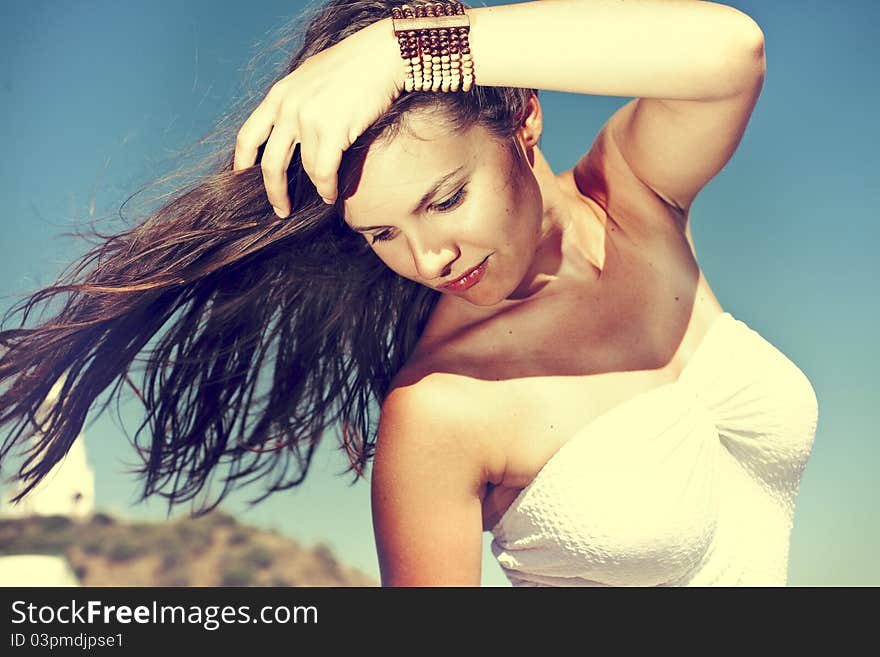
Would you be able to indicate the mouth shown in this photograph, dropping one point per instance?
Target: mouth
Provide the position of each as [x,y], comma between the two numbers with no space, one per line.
[470,278]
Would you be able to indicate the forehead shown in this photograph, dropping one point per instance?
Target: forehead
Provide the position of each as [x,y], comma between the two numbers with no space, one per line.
[396,173]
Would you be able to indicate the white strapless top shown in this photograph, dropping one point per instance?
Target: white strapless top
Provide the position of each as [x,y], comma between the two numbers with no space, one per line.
[691,483]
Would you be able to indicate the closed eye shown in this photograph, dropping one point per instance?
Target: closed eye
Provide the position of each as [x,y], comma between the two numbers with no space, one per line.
[381,237]
[451,202]
[446,206]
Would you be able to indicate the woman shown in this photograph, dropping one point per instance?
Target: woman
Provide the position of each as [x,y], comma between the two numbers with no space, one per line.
[549,362]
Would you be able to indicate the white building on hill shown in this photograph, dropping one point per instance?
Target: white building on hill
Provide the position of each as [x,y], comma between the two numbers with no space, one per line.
[68,489]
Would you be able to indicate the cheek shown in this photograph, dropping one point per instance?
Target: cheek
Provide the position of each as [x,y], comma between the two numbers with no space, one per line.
[530,209]
[396,258]
[518,201]
[519,220]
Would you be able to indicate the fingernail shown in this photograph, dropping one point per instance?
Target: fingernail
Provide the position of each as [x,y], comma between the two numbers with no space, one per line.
[328,202]
[279,212]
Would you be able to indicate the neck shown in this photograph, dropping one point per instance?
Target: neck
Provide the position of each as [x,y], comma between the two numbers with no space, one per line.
[571,243]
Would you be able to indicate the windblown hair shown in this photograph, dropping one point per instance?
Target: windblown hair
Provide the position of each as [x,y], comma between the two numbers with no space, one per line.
[266,332]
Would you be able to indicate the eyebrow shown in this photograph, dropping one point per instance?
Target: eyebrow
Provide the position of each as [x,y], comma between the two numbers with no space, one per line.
[428,196]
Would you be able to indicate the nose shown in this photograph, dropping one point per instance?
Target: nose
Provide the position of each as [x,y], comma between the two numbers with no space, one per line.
[433,260]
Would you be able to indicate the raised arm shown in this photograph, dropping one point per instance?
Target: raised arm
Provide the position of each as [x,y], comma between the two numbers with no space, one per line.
[695,68]
[672,49]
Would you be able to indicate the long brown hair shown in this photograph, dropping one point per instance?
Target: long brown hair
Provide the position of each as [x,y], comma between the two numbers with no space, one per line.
[260,332]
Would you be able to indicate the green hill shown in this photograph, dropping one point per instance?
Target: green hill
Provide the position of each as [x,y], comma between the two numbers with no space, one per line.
[213,550]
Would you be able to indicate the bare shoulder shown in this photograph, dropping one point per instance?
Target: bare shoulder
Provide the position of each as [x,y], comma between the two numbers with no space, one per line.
[436,415]
[428,484]
[434,399]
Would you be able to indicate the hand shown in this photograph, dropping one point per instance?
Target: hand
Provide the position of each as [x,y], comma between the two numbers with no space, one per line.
[324,105]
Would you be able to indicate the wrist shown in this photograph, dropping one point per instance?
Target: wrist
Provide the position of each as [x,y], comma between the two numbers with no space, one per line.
[434,46]
[386,53]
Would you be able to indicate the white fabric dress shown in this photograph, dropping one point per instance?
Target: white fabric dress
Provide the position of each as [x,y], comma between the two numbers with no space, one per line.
[689,484]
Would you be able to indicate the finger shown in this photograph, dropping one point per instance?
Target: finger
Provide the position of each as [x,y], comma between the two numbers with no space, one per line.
[254,133]
[321,162]
[274,163]
[333,158]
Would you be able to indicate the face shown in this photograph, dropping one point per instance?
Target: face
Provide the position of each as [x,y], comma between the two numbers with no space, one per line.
[486,209]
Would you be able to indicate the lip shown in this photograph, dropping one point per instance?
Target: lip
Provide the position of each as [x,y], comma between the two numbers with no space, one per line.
[467,280]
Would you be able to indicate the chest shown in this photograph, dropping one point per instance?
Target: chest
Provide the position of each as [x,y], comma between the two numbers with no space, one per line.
[577,358]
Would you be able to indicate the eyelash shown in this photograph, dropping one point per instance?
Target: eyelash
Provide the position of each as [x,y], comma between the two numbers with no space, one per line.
[447,206]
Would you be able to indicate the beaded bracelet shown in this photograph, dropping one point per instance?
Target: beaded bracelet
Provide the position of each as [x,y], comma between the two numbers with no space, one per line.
[434,46]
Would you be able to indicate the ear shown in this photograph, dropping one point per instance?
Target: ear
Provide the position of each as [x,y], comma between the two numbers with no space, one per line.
[530,132]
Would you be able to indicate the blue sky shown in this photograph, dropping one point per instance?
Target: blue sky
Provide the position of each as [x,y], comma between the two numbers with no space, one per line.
[98,97]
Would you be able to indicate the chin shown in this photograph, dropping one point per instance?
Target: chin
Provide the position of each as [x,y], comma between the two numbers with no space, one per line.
[487,304]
